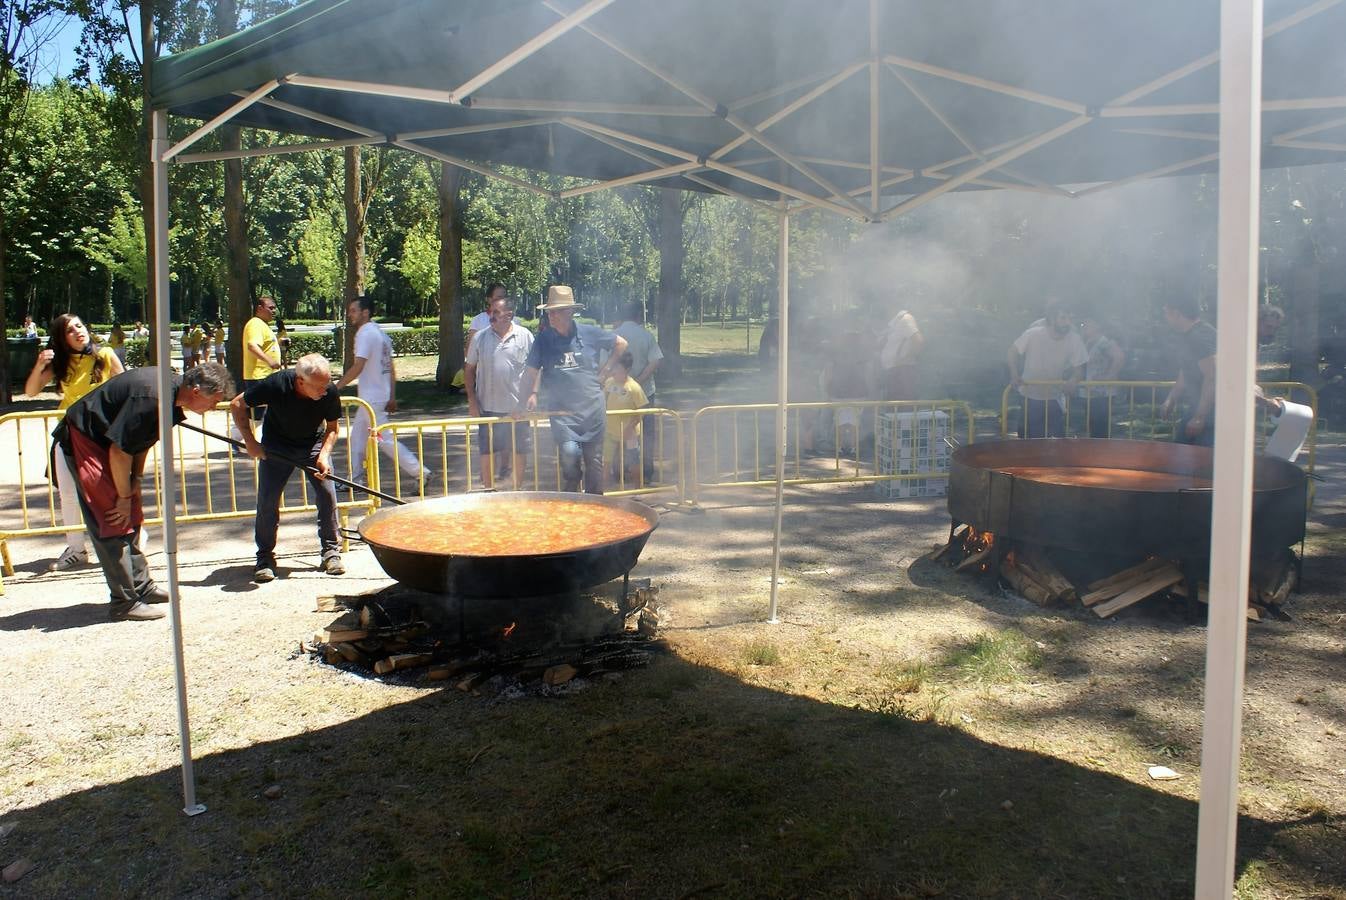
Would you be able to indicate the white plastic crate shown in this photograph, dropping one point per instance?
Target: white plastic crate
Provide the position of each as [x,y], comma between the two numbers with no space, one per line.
[911,444]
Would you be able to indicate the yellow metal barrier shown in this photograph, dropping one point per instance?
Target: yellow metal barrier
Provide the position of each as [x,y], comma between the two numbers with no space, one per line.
[734,446]
[210,488]
[1131,411]
[451,450]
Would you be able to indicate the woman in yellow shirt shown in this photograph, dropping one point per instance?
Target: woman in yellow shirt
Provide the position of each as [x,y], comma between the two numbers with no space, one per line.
[77,366]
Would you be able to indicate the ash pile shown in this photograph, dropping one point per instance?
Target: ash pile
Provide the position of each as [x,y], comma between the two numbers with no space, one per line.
[529,646]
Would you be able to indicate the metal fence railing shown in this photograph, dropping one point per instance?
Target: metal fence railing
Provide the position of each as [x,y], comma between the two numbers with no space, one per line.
[1130,410]
[826,442]
[452,450]
[214,482]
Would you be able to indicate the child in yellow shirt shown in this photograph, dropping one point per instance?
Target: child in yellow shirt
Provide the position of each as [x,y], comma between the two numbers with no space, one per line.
[621,443]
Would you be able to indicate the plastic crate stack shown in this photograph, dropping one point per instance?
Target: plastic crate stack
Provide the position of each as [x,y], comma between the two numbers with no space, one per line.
[913,444]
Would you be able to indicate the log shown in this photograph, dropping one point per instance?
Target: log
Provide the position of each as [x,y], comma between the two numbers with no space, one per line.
[339,635]
[974,560]
[954,540]
[402,661]
[470,683]
[559,674]
[348,652]
[1130,578]
[1151,586]
[1045,572]
[1024,585]
[1153,564]
[1289,580]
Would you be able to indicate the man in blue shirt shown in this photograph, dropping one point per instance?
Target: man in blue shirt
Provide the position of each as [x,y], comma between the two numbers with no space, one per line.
[563,365]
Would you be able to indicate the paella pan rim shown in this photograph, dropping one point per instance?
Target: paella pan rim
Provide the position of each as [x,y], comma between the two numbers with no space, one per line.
[463,501]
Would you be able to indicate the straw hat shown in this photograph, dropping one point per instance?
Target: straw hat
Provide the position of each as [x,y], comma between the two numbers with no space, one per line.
[560,297]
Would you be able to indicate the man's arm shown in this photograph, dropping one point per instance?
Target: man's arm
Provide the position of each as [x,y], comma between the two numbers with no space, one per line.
[470,386]
[1206,404]
[329,439]
[391,405]
[256,350]
[119,466]
[238,408]
[618,348]
[533,379]
[1116,359]
[352,373]
[644,376]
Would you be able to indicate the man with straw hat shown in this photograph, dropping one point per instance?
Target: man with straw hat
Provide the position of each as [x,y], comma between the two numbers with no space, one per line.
[563,365]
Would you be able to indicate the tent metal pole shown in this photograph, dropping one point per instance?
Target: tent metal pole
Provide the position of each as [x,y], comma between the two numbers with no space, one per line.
[473,129]
[1231,511]
[169,497]
[529,47]
[1212,109]
[473,167]
[1153,173]
[1210,59]
[222,118]
[875,154]
[993,163]
[782,399]
[1069,106]
[790,109]
[964,139]
[638,178]
[655,161]
[1311,129]
[276,150]
[317,116]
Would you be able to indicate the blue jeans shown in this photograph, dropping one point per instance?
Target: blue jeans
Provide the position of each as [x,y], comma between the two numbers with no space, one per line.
[588,454]
[272,477]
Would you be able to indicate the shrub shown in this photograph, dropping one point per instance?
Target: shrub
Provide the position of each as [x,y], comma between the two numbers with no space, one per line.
[307,342]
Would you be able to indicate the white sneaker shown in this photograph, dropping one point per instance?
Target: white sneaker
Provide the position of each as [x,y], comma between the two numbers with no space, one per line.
[69,558]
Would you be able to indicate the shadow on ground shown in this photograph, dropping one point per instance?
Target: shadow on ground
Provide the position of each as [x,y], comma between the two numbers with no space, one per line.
[672,781]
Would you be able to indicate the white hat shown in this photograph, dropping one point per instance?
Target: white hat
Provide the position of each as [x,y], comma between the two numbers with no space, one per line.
[560,297]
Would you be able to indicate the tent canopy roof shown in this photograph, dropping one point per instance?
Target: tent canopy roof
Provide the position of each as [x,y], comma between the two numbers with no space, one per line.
[821,101]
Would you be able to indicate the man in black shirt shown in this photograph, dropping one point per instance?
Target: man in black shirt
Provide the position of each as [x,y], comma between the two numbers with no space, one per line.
[303,410]
[1195,387]
[106,436]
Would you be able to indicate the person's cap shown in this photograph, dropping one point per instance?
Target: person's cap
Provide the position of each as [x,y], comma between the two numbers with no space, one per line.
[560,297]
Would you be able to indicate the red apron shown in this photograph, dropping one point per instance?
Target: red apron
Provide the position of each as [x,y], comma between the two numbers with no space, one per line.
[95,482]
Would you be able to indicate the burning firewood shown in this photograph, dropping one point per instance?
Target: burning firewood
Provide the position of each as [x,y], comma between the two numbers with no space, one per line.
[980,558]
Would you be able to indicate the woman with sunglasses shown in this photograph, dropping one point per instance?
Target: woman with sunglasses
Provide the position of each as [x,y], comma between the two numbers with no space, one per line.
[77,365]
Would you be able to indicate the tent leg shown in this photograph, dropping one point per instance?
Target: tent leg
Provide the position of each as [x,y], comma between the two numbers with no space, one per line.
[1231,514]
[782,422]
[168,497]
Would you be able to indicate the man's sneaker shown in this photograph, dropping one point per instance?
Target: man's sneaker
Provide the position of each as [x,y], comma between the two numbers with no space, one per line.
[134,610]
[155,594]
[332,565]
[265,572]
[427,482]
[68,559]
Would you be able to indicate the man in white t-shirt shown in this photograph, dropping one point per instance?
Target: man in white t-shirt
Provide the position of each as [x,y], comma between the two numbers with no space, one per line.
[1048,351]
[645,359]
[374,368]
[902,344]
[493,373]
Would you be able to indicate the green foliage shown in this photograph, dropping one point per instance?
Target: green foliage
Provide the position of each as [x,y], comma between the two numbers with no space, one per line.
[308,342]
[120,248]
[137,352]
[420,259]
[416,342]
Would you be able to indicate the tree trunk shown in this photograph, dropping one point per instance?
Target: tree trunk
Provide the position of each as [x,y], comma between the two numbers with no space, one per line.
[147,54]
[669,307]
[4,329]
[355,242]
[450,274]
[238,290]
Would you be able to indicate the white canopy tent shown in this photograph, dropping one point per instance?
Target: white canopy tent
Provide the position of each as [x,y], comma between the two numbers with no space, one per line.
[747,101]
